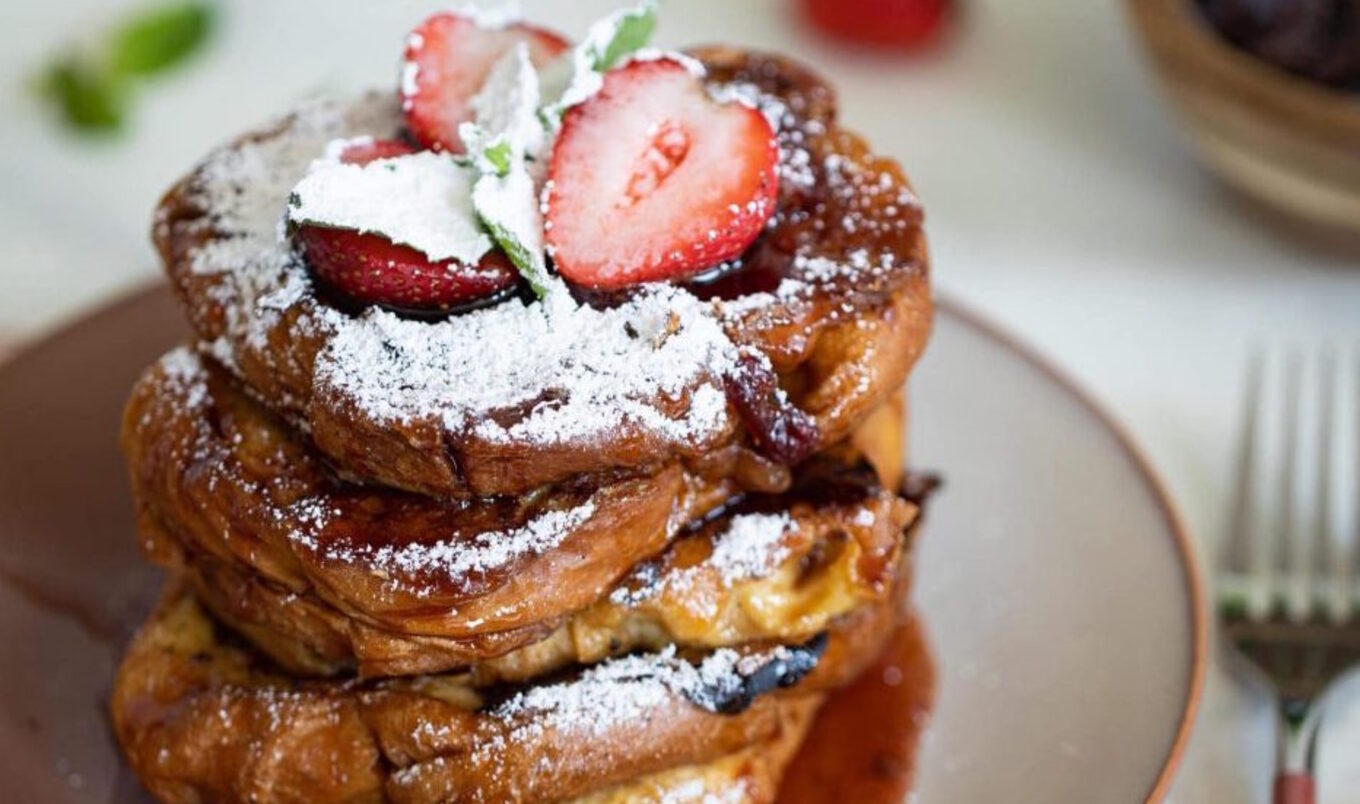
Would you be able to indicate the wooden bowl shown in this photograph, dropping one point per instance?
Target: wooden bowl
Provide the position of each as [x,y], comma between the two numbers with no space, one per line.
[1284,140]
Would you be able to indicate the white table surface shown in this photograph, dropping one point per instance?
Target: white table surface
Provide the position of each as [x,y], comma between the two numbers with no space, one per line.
[1061,201]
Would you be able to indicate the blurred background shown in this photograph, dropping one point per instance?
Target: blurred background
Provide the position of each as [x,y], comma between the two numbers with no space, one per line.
[1063,200]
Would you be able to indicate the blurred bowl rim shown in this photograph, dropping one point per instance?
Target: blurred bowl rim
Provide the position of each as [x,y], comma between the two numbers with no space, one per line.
[1176,32]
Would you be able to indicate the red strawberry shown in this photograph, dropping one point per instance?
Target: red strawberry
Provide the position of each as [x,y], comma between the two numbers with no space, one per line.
[447,60]
[885,23]
[373,269]
[361,152]
[370,268]
[651,179]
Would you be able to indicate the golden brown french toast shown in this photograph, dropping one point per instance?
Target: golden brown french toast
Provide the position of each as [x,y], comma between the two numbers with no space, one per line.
[782,352]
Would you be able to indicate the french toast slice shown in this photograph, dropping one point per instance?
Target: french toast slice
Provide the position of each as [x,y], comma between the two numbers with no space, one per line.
[204,717]
[265,531]
[819,321]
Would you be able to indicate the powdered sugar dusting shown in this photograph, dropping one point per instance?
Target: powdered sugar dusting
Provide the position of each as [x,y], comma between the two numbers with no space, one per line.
[244,189]
[614,696]
[630,689]
[184,372]
[492,17]
[417,567]
[422,200]
[692,65]
[551,371]
[750,546]
[695,791]
[569,372]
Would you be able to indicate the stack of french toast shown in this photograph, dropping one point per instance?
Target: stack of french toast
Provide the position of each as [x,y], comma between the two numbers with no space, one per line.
[540,435]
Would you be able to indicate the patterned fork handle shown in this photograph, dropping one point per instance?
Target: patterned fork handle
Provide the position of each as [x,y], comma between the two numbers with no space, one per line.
[1297,744]
[1287,590]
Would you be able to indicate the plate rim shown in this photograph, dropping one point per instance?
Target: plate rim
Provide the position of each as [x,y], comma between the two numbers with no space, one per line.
[1170,512]
[981,323]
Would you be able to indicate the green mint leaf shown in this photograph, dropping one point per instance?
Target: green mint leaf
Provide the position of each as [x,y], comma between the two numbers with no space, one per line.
[500,156]
[520,255]
[160,37]
[507,207]
[634,31]
[89,97]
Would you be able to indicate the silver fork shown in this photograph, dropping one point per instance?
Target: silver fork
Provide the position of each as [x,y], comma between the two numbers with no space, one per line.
[1286,585]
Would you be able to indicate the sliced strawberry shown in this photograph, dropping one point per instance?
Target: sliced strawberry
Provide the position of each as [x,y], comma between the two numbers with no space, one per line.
[651,179]
[372,269]
[361,152]
[447,60]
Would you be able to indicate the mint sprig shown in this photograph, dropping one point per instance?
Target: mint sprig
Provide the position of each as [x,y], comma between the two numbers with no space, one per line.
[90,98]
[91,86]
[500,156]
[576,75]
[634,31]
[516,228]
[157,39]
[530,267]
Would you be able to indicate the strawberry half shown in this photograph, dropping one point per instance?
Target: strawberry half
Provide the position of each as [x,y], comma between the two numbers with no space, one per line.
[447,60]
[652,179]
[372,269]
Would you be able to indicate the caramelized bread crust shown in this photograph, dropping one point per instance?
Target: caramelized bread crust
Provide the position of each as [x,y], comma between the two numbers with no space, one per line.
[834,299]
[201,717]
[266,534]
[212,468]
[833,560]
[750,776]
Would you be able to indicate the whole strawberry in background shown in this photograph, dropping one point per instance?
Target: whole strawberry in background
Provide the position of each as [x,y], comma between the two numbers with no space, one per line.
[903,24]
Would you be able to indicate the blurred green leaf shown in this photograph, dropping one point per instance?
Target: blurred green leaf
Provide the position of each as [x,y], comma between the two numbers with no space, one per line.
[90,85]
[89,96]
[159,37]
[634,31]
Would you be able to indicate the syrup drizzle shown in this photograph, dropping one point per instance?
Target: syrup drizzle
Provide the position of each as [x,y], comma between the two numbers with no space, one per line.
[862,746]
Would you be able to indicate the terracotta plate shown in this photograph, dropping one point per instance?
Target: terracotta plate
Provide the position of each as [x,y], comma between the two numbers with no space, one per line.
[1054,579]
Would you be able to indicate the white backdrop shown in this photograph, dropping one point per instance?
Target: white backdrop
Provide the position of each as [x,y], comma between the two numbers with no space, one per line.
[1060,200]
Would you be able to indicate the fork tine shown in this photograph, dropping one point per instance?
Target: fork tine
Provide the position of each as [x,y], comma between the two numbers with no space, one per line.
[1287,568]
[1237,554]
[1327,564]
[1352,584]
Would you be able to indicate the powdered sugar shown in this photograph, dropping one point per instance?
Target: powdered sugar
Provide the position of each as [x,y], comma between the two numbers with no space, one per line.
[578,74]
[183,369]
[631,688]
[492,17]
[555,370]
[695,67]
[568,372]
[508,205]
[608,700]
[549,372]
[456,559]
[751,547]
[507,111]
[695,791]
[422,200]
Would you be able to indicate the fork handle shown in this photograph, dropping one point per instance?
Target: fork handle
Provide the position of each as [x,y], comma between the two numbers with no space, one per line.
[1294,787]
[1296,741]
